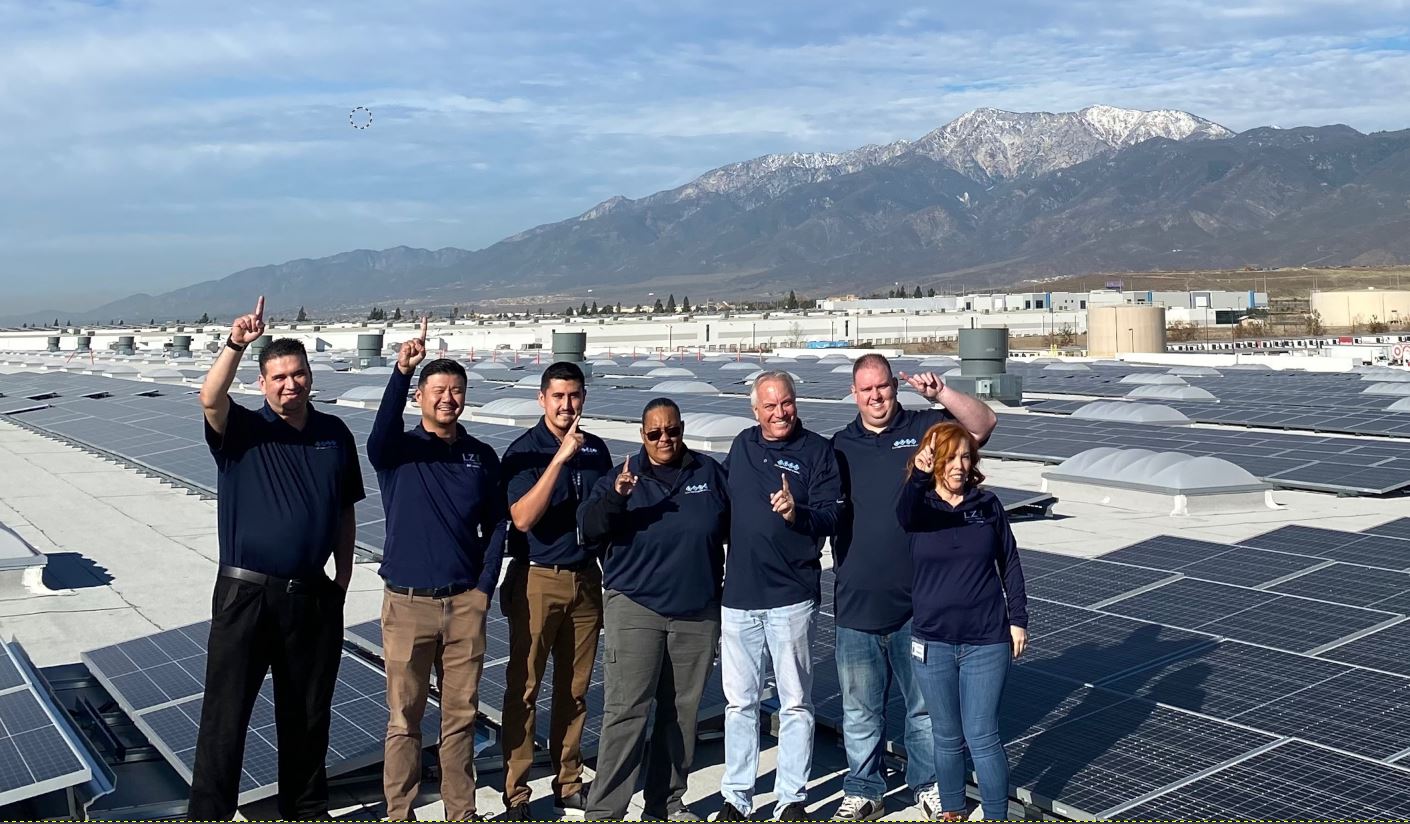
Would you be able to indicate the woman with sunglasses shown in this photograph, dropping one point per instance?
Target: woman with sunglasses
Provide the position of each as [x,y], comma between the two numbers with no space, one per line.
[662,518]
[971,613]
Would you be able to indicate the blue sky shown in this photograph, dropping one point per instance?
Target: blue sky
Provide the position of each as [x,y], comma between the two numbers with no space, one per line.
[147,145]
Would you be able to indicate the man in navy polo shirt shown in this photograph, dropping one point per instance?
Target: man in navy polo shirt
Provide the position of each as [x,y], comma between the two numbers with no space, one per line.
[288,480]
[444,499]
[872,563]
[552,592]
[785,498]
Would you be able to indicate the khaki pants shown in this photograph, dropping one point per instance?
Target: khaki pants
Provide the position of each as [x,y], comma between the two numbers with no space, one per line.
[419,633]
[558,612]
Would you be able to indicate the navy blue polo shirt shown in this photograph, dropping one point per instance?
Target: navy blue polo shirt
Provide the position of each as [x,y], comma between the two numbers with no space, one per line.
[968,585]
[665,543]
[871,553]
[281,490]
[444,501]
[772,563]
[554,539]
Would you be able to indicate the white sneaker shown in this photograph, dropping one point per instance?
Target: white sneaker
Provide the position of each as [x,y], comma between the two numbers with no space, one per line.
[857,808]
[929,800]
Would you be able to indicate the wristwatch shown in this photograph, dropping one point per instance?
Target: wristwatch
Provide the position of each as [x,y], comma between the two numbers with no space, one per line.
[230,342]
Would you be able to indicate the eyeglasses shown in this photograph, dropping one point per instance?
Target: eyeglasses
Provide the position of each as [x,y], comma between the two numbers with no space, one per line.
[672,432]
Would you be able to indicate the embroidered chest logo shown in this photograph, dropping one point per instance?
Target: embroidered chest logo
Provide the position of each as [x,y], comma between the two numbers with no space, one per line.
[791,466]
[472,461]
[974,517]
[326,444]
[905,443]
[587,450]
[695,489]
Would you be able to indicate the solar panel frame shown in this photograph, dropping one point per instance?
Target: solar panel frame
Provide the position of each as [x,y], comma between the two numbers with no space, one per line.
[1386,649]
[39,750]
[1360,711]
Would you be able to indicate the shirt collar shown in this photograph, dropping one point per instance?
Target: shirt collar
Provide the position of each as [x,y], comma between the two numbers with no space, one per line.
[780,444]
[420,431]
[639,461]
[859,430]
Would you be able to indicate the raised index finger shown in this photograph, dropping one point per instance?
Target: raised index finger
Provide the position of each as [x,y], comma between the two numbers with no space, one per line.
[573,427]
[425,326]
[259,308]
[784,476]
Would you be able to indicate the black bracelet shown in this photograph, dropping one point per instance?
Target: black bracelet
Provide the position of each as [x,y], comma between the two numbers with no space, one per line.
[230,342]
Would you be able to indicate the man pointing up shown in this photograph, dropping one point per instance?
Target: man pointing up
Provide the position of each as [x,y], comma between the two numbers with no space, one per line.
[785,498]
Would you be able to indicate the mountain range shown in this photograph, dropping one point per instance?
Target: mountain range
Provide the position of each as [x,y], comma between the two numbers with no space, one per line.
[990,198]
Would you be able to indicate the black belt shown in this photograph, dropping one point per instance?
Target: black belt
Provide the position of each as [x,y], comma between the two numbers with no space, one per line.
[578,566]
[290,585]
[431,592]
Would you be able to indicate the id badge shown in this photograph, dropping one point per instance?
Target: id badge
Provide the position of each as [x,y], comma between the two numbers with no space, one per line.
[918,650]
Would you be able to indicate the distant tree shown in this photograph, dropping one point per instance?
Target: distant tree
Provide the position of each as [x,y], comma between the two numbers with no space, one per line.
[24,325]
[303,316]
[1181,331]
[917,293]
[1314,325]
[658,307]
[56,321]
[205,318]
[637,310]
[454,312]
[792,302]
[583,310]
[396,313]
[685,303]
[930,293]
[619,307]
[1377,326]
[593,309]
[68,323]
[671,303]
[568,313]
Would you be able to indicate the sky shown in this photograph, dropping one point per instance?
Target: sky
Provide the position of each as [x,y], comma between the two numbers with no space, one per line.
[152,144]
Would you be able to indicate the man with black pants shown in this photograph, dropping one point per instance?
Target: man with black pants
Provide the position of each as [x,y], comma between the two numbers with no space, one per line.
[872,562]
[442,492]
[552,593]
[288,481]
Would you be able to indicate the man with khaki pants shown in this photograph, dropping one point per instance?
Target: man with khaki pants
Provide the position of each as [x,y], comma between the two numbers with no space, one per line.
[552,593]
[444,499]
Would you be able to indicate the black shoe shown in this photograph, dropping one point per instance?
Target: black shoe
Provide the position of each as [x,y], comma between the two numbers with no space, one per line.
[729,812]
[794,812]
[571,806]
[519,812]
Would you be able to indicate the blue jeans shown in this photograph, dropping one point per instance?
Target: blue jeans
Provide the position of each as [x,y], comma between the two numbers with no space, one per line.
[868,663]
[748,638]
[962,684]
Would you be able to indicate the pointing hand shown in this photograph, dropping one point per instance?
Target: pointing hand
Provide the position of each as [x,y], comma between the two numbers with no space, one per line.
[248,328]
[782,500]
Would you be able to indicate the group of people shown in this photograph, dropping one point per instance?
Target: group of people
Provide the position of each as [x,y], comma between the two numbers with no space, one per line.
[671,557]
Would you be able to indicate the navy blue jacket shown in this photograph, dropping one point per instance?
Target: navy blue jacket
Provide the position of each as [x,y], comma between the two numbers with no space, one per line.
[772,563]
[281,490]
[968,581]
[554,539]
[871,553]
[444,501]
[665,546]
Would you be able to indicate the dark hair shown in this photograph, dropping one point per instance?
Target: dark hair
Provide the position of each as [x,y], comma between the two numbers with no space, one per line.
[282,348]
[658,403]
[868,361]
[561,371]
[441,366]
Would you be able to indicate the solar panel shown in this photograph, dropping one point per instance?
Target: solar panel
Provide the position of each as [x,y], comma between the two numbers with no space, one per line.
[1248,567]
[1293,781]
[1360,711]
[38,747]
[1227,679]
[158,681]
[1166,552]
[1092,582]
[1296,624]
[1188,603]
[1037,563]
[1034,702]
[1100,761]
[1347,584]
[1107,647]
[1387,649]
[1399,528]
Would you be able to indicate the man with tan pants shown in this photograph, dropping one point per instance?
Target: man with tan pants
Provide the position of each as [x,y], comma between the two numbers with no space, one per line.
[552,593]
[444,498]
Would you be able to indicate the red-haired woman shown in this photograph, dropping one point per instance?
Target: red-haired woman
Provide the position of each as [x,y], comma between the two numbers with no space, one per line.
[970,609]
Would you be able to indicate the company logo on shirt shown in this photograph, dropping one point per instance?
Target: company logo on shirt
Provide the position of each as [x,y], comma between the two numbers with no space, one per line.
[791,466]
[694,489]
[587,450]
[325,445]
[905,443]
[974,516]
[472,460]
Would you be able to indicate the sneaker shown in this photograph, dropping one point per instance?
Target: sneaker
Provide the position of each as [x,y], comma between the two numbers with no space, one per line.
[519,812]
[928,799]
[683,815]
[729,812]
[857,808]
[572,807]
[794,812]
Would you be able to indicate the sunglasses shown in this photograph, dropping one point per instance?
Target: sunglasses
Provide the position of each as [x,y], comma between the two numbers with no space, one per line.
[672,432]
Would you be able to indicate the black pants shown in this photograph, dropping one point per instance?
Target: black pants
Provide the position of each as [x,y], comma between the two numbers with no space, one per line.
[298,634]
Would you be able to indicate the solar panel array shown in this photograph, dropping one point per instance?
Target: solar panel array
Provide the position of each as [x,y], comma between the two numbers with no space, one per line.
[159,681]
[38,745]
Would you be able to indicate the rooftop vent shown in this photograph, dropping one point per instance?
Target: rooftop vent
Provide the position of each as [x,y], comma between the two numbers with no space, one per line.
[1124,412]
[1149,379]
[1172,393]
[1141,479]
